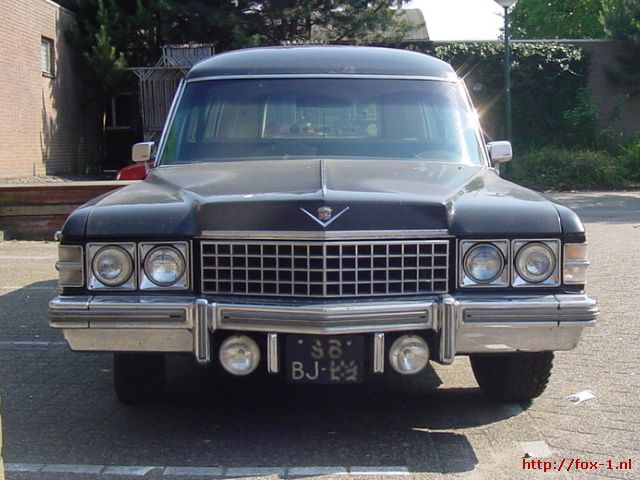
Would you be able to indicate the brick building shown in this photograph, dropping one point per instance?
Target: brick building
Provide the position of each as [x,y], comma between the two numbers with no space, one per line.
[46,125]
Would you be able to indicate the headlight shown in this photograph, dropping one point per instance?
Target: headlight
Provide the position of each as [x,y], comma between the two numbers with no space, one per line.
[164,266]
[535,262]
[112,266]
[483,263]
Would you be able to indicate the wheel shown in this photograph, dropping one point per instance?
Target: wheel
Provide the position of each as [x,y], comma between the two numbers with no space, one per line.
[512,377]
[139,378]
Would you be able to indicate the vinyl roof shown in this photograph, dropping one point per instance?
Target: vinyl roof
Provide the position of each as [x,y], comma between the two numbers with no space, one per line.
[322,60]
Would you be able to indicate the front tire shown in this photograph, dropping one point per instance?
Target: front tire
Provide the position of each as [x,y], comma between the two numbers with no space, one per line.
[139,378]
[512,377]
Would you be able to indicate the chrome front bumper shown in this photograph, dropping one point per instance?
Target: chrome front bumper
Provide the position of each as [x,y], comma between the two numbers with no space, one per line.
[464,324]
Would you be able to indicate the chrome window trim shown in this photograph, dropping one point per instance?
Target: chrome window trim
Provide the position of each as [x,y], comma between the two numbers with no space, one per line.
[146,283]
[92,281]
[502,281]
[324,235]
[287,76]
[554,279]
[71,265]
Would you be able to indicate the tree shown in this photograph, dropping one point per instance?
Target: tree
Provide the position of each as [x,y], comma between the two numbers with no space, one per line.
[556,19]
[331,21]
[621,21]
[111,35]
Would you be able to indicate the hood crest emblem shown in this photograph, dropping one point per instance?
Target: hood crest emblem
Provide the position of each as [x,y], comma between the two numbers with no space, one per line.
[324,215]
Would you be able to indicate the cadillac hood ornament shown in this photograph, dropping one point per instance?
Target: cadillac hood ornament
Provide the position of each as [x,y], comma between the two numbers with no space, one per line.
[324,215]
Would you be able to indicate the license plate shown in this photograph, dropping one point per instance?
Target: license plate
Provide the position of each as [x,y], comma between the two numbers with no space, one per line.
[321,359]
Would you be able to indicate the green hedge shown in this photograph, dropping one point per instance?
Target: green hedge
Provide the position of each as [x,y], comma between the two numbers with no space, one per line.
[563,169]
[630,157]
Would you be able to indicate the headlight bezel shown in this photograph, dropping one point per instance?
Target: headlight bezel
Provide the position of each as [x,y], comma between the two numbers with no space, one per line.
[94,282]
[520,281]
[499,281]
[146,283]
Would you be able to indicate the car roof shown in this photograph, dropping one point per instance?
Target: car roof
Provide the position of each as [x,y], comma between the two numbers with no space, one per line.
[322,60]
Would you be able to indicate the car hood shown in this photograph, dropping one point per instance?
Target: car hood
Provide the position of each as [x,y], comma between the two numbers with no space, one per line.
[273,195]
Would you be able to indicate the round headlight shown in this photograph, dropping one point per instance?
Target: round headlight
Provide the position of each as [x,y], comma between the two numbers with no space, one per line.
[164,266]
[535,262]
[483,263]
[112,266]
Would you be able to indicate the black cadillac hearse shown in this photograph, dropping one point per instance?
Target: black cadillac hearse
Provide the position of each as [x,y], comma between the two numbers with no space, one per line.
[328,214]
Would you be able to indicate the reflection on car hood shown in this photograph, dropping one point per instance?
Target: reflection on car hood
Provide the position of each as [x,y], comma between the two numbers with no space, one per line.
[183,201]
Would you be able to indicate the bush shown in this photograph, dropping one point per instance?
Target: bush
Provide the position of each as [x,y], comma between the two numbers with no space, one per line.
[563,169]
[630,157]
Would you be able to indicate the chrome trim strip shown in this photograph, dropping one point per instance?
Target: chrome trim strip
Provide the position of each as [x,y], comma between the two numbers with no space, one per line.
[201,343]
[323,176]
[324,320]
[276,76]
[323,235]
[126,318]
[272,353]
[448,327]
[378,353]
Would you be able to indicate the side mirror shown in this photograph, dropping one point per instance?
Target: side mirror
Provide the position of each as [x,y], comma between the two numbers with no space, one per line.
[500,152]
[142,152]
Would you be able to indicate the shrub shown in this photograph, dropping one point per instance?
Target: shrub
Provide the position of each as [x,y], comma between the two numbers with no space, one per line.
[564,169]
[630,157]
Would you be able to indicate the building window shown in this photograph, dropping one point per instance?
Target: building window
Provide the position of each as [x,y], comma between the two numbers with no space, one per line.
[47,57]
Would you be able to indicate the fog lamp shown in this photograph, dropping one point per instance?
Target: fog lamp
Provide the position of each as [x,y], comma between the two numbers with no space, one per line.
[409,354]
[239,355]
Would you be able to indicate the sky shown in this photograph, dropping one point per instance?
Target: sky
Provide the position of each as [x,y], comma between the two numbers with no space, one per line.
[461,19]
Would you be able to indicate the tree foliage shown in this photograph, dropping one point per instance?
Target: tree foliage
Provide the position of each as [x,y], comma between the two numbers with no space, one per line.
[114,34]
[356,21]
[621,20]
[556,19]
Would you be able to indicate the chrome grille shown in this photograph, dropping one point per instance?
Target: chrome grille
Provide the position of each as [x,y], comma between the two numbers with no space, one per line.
[324,269]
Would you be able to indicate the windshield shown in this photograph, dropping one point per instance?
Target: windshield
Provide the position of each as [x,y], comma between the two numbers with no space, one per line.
[220,120]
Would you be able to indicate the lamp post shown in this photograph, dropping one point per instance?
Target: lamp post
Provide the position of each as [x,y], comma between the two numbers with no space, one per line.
[507,65]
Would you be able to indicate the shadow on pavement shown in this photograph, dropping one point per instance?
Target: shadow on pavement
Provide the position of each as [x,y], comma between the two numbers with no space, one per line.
[59,407]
